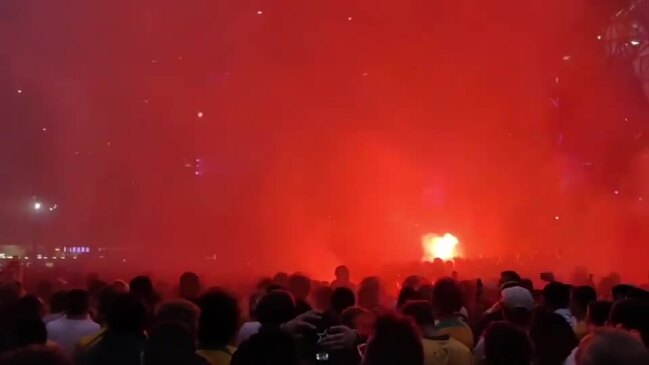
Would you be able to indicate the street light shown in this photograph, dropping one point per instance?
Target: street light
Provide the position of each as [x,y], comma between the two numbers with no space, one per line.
[37,205]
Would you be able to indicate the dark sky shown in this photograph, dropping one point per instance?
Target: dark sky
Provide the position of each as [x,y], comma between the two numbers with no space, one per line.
[261,130]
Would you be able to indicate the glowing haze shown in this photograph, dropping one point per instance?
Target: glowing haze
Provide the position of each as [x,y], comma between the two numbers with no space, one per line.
[442,247]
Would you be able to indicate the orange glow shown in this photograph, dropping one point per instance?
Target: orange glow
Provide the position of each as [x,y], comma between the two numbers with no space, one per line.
[443,247]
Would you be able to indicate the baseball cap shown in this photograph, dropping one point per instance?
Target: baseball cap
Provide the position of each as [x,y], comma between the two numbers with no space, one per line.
[517,297]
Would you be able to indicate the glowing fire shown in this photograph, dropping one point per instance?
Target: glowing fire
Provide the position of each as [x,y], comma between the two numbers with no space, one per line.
[443,247]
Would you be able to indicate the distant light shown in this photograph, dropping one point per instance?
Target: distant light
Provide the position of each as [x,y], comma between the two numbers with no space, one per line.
[567,57]
[108,144]
[640,199]
[616,192]
[154,61]
[556,217]
[635,43]
[146,101]
[365,74]
[259,12]
[349,18]
[37,206]
[199,115]
[19,91]
[599,37]
[556,79]
[180,58]
[44,129]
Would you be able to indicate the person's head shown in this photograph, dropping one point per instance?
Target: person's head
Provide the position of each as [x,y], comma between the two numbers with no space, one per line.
[35,355]
[30,306]
[59,301]
[342,273]
[281,279]
[179,311]
[190,285]
[620,291]
[407,294]
[126,314]
[369,292]
[506,344]
[556,295]
[341,299]
[170,344]
[609,346]
[508,277]
[447,297]
[219,318]
[420,311]
[517,305]
[322,297]
[299,286]
[106,299]
[29,331]
[359,319]
[78,303]
[395,341]
[632,315]
[142,287]
[581,297]
[275,308]
[553,338]
[597,313]
[411,281]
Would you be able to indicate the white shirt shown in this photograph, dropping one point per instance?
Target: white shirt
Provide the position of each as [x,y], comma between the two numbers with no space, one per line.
[67,332]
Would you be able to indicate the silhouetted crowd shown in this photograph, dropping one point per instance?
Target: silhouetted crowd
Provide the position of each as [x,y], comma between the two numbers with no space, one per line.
[293,320]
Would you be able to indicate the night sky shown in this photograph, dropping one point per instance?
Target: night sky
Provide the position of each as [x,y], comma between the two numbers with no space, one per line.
[309,133]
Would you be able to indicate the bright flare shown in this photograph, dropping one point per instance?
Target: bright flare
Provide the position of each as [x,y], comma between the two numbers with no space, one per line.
[443,247]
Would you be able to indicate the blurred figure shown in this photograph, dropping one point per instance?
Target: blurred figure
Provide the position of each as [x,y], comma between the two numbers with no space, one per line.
[343,278]
[552,337]
[66,332]
[506,344]
[359,319]
[607,346]
[300,287]
[123,340]
[322,297]
[341,299]
[35,355]
[632,315]
[142,288]
[439,349]
[582,296]
[179,311]
[509,278]
[597,314]
[395,341]
[556,298]
[447,302]
[171,344]
[58,303]
[189,286]
[407,293]
[369,295]
[271,346]
[516,305]
[217,326]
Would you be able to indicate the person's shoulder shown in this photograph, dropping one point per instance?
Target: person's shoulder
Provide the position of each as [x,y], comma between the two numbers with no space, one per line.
[56,324]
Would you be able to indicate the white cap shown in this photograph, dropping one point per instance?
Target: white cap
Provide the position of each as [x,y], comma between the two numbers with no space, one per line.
[517,297]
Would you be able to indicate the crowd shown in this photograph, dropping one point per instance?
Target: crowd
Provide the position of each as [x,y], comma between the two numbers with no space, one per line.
[292,319]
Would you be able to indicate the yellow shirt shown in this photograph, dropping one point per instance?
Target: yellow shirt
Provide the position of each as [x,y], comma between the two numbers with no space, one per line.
[456,329]
[445,350]
[217,357]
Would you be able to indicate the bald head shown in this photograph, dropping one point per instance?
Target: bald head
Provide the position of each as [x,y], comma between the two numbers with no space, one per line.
[609,346]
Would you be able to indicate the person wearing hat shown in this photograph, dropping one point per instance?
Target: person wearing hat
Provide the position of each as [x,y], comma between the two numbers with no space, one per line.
[516,305]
